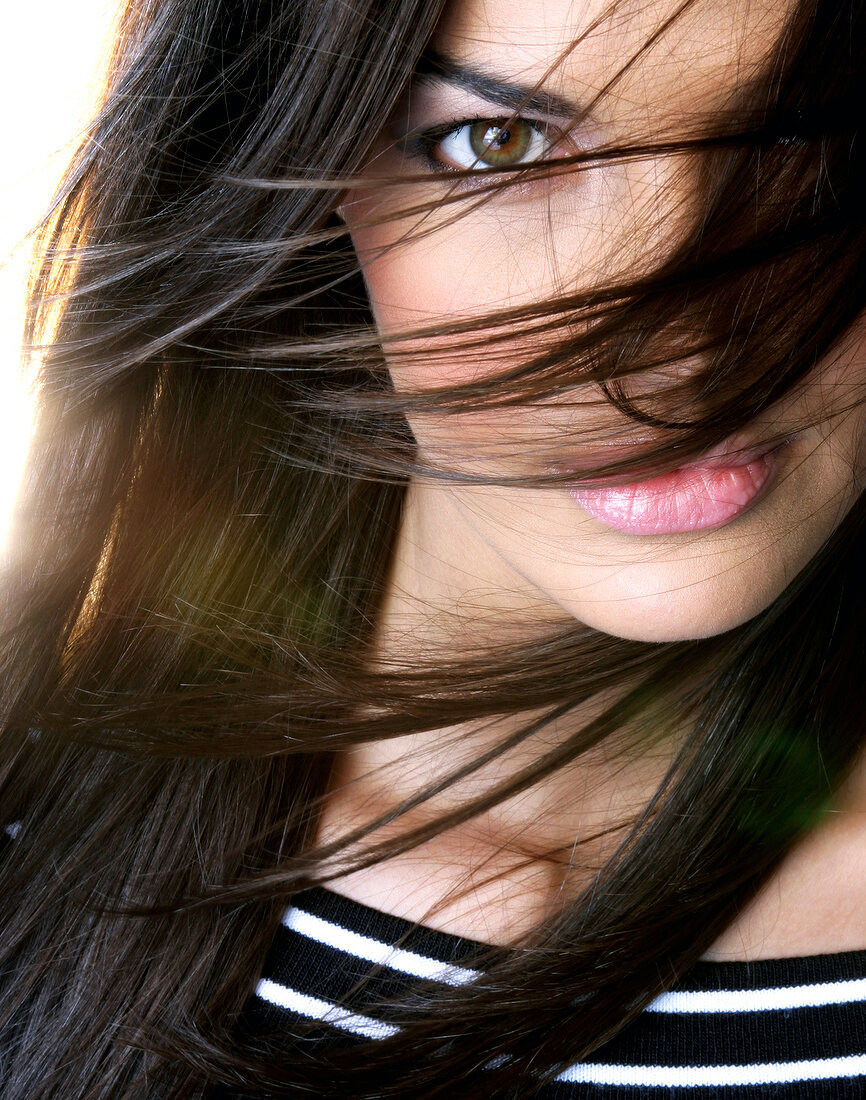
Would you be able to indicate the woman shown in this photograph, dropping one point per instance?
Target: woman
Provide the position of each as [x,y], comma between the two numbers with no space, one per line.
[445,510]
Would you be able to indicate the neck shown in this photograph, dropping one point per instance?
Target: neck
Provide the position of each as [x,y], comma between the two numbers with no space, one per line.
[450,596]
[450,591]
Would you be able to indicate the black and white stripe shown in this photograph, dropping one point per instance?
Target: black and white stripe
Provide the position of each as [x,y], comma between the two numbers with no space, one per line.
[792,1028]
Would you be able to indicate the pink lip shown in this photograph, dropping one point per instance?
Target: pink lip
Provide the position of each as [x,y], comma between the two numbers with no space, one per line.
[707,493]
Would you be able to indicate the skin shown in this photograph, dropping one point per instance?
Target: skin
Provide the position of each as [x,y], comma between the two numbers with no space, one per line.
[540,546]
[472,561]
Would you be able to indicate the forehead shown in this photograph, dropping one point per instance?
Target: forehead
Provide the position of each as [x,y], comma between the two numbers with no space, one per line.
[650,48]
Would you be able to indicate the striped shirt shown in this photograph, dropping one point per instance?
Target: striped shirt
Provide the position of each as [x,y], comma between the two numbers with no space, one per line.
[791,1029]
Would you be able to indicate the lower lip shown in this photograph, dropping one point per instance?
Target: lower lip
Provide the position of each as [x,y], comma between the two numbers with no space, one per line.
[693,498]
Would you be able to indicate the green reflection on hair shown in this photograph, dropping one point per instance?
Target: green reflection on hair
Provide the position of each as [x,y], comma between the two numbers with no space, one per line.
[789,790]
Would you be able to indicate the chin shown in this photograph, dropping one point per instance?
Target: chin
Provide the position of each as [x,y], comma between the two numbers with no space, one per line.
[688,614]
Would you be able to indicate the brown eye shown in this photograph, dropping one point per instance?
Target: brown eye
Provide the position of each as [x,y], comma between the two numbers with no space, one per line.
[501,146]
[493,143]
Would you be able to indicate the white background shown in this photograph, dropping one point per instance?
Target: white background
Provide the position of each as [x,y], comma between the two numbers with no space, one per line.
[52,55]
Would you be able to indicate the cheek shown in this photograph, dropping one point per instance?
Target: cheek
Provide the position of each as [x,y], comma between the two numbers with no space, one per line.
[460,272]
[484,261]
[460,263]
[503,256]
[419,283]
[449,278]
[436,281]
[529,245]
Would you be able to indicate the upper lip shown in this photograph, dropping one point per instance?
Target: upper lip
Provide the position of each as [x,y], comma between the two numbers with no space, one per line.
[736,450]
[734,453]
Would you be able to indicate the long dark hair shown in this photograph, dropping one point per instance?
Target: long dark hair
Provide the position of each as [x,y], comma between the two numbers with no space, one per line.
[204,538]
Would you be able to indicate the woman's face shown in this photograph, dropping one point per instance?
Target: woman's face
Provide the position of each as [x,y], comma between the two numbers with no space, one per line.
[714,543]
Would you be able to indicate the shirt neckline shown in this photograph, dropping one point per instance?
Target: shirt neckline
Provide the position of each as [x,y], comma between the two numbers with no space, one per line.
[705,974]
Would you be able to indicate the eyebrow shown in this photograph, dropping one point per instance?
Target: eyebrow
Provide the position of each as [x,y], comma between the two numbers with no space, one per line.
[518,97]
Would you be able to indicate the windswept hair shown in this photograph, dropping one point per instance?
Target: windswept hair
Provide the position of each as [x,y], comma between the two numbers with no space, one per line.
[204,537]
